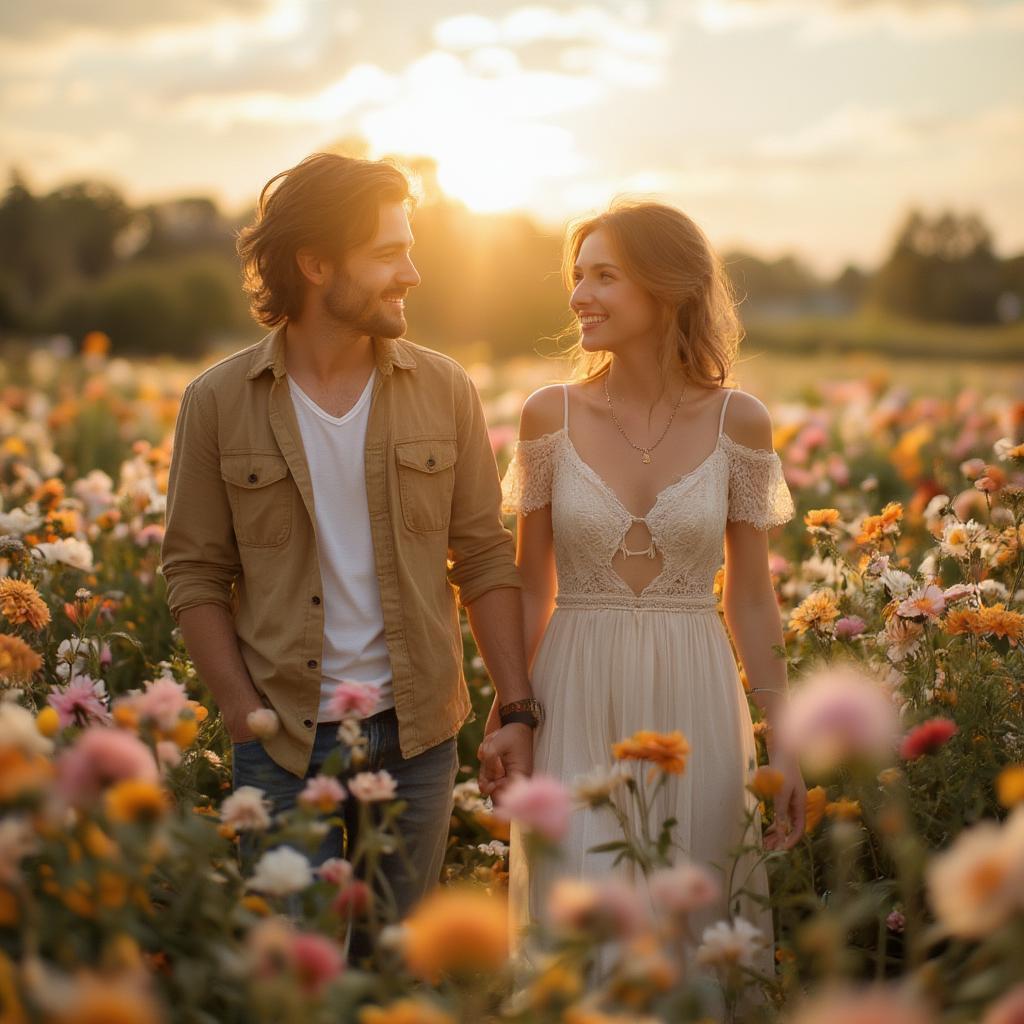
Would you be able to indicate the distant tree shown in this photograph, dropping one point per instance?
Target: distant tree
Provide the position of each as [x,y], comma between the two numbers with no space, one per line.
[941,269]
[852,286]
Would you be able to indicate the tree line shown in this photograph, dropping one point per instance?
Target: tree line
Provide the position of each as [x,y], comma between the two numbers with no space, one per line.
[164,278]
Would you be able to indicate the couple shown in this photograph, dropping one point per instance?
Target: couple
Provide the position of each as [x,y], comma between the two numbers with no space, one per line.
[333,492]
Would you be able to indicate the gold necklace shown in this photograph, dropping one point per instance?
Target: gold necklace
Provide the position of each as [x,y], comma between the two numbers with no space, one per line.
[645,453]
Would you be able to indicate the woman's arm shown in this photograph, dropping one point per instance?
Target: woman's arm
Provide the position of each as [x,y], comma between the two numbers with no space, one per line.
[752,615]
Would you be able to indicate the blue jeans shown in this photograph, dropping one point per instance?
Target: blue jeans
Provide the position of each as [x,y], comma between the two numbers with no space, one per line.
[424,782]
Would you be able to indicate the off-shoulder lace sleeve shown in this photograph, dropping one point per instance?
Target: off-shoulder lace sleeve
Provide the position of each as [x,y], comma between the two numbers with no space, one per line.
[758,493]
[526,485]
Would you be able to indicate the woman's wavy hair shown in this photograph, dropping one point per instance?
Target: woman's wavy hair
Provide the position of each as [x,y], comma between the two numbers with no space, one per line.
[327,202]
[666,253]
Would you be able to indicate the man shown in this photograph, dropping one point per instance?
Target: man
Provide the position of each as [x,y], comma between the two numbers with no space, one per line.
[322,480]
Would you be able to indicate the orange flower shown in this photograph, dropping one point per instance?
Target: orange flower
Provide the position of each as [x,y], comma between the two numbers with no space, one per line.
[21,604]
[843,809]
[135,800]
[821,518]
[1010,785]
[816,611]
[48,722]
[766,782]
[667,751]
[23,776]
[106,1001]
[405,1011]
[18,662]
[994,620]
[95,343]
[816,800]
[456,931]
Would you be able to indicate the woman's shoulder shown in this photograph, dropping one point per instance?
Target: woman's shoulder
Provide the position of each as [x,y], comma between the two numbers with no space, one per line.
[747,420]
[543,413]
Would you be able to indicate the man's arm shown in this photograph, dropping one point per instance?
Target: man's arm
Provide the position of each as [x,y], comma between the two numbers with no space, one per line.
[209,634]
[200,562]
[483,569]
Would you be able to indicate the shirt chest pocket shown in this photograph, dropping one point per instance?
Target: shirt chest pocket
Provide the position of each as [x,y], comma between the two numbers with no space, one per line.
[426,481]
[261,497]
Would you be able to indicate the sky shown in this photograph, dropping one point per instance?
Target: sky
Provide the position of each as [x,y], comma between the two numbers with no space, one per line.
[803,126]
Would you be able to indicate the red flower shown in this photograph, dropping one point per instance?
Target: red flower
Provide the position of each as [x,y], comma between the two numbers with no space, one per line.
[927,737]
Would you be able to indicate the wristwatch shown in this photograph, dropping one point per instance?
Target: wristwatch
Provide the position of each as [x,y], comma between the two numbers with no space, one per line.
[529,712]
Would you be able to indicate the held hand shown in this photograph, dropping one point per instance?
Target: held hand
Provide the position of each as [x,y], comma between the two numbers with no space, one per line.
[504,754]
[790,807]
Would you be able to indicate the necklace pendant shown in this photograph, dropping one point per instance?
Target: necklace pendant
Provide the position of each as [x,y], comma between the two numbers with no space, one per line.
[646,458]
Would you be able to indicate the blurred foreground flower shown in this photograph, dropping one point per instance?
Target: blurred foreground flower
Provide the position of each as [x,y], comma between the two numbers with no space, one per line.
[539,803]
[456,932]
[667,751]
[281,872]
[730,944]
[866,1006]
[836,716]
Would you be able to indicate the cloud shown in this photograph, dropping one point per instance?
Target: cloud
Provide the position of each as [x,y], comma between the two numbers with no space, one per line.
[823,20]
[56,18]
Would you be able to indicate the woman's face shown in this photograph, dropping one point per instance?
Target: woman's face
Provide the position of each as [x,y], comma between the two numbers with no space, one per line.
[615,313]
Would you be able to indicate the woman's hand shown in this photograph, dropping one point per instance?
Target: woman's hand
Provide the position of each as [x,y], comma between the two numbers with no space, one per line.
[790,806]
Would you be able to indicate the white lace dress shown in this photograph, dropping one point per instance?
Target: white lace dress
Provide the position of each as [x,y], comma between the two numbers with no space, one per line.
[611,663]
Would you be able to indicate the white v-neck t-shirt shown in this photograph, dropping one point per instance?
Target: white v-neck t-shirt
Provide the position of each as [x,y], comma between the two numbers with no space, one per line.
[354,646]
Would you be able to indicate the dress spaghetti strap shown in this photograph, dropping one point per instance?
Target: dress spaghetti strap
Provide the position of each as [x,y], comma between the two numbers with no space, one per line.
[565,402]
[725,405]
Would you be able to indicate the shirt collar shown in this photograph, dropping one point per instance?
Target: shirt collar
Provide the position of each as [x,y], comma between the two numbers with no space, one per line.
[269,355]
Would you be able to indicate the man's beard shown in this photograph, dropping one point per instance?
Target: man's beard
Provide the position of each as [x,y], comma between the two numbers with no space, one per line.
[358,308]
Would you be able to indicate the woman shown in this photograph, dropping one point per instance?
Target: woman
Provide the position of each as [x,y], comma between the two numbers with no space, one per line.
[625,483]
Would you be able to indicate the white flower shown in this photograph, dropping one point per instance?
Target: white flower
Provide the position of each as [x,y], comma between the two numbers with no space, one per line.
[978,883]
[1002,447]
[596,787]
[19,522]
[994,590]
[96,490]
[68,551]
[682,889]
[958,538]
[246,810]
[897,582]
[74,656]
[933,508]
[467,796]
[17,840]
[18,729]
[901,638]
[281,872]
[730,945]
[822,570]
[371,787]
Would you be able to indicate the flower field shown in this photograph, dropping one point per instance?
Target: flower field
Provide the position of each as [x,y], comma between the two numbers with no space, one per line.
[901,584]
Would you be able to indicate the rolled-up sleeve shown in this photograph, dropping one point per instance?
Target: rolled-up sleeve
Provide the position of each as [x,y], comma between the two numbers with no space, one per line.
[200,554]
[481,550]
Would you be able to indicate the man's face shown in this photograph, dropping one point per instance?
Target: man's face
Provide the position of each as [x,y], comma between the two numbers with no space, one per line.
[367,290]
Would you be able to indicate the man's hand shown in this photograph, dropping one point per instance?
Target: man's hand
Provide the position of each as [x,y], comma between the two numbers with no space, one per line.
[504,753]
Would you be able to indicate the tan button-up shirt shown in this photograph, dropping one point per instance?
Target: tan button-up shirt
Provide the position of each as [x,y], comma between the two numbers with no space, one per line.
[241,531]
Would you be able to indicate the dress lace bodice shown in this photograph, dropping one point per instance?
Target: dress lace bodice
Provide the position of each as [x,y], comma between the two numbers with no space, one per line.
[686,523]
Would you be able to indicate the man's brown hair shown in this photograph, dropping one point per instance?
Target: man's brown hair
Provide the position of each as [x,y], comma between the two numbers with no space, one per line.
[327,202]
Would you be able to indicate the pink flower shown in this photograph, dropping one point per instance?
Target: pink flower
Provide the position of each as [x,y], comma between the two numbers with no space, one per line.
[896,922]
[927,738]
[81,702]
[682,889]
[959,591]
[353,700]
[103,756]
[986,484]
[838,715]
[605,908]
[353,900]
[151,534]
[317,960]
[168,753]
[926,602]
[322,793]
[1009,1009]
[540,803]
[849,627]
[246,809]
[972,468]
[162,702]
[336,871]
[372,787]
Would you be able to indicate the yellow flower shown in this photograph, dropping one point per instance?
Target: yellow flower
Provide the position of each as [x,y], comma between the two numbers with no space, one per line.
[18,662]
[405,1011]
[890,776]
[21,605]
[821,518]
[135,800]
[816,611]
[667,751]
[185,732]
[48,722]
[1010,785]
[97,843]
[816,800]
[766,782]
[456,931]
[843,809]
[256,905]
